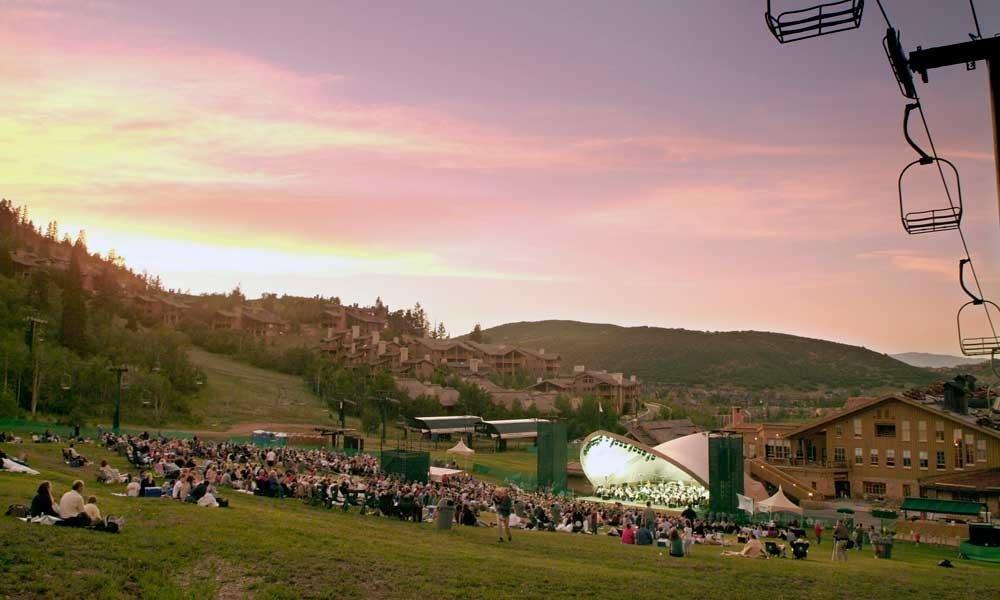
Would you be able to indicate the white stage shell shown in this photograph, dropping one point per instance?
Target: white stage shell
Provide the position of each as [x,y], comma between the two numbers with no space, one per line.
[610,459]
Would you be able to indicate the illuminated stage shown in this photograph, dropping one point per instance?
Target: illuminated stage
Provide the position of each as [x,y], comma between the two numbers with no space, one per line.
[671,476]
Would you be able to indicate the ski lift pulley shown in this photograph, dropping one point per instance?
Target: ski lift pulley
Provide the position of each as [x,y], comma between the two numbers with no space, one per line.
[900,66]
[815,20]
[976,346]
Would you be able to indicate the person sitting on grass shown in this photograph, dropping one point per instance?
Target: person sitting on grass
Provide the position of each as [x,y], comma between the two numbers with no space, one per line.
[628,533]
[71,507]
[43,503]
[752,549]
[676,543]
[90,509]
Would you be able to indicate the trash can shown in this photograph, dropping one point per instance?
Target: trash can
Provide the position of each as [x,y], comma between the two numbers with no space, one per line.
[444,516]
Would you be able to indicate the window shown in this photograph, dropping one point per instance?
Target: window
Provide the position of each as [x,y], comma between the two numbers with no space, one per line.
[857,428]
[940,460]
[907,459]
[959,456]
[873,457]
[885,430]
[923,460]
[939,431]
[839,455]
[838,429]
[904,431]
[859,458]
[907,490]
[890,458]
[980,450]
[970,449]
[921,431]
[777,449]
[874,488]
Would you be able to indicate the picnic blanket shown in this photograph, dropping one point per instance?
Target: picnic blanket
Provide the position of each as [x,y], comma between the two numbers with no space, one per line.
[16,467]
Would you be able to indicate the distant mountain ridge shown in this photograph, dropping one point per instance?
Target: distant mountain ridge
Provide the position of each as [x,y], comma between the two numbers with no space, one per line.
[750,359]
[935,361]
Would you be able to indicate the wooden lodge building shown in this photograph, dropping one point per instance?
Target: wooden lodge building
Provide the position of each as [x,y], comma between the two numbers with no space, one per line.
[889,448]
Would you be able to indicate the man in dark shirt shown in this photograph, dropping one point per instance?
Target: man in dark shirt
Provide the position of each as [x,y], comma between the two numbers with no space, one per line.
[504,505]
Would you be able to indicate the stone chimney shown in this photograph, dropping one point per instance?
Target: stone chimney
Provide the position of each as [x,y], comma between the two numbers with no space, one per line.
[579,368]
[404,354]
[541,351]
[631,378]
[376,339]
[381,348]
[538,380]
[474,365]
[355,331]
[738,417]
[618,377]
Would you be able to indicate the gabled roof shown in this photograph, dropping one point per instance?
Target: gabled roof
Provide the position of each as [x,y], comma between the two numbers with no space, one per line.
[493,349]
[963,420]
[363,315]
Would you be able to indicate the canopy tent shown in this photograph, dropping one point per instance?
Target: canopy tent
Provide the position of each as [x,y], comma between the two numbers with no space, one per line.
[460,449]
[779,502]
[440,473]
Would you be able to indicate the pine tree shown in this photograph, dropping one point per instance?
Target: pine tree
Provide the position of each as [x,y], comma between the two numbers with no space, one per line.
[73,329]
[441,333]
[477,334]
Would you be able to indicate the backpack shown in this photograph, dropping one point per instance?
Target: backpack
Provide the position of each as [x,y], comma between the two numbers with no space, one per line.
[17,510]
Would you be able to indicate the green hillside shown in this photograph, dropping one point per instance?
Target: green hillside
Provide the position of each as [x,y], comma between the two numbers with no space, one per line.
[750,359]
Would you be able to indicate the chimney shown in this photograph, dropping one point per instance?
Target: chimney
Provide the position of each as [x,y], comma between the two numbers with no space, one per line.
[381,348]
[738,417]
[355,331]
[541,351]
[579,368]
[538,380]
[427,357]
[404,354]
[375,337]
[618,377]
[474,365]
[395,339]
[631,378]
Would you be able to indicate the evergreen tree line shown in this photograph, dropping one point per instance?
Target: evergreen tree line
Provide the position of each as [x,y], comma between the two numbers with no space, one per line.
[58,340]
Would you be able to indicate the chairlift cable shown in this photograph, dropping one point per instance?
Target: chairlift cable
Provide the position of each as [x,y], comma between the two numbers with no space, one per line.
[884,16]
[975,19]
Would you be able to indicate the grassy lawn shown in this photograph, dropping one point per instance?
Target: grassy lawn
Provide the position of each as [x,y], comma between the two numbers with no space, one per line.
[283,549]
[236,392]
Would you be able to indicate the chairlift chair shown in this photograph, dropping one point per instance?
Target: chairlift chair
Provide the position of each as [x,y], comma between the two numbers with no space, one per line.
[815,20]
[938,219]
[977,346]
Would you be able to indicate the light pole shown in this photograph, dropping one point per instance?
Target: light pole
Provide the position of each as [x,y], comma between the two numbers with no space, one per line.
[119,371]
[33,335]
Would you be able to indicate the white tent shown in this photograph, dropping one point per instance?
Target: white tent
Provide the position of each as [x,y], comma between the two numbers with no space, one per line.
[779,502]
[440,473]
[461,449]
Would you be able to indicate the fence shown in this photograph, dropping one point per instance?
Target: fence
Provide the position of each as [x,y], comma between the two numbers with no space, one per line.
[29,427]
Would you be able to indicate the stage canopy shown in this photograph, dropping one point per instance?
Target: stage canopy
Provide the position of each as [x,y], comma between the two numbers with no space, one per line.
[446,425]
[779,502]
[510,429]
[610,459]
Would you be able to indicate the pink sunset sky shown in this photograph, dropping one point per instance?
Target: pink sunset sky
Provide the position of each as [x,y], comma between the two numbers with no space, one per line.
[663,163]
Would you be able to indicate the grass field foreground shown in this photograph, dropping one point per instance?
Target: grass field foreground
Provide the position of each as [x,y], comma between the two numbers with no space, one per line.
[272,548]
